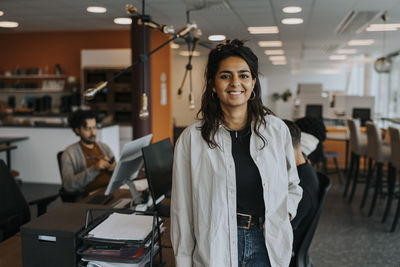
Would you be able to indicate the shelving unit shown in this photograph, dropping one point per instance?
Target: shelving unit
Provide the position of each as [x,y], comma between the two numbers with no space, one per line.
[117,100]
[34,85]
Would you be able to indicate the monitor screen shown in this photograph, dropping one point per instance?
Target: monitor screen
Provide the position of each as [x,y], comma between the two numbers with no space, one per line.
[128,166]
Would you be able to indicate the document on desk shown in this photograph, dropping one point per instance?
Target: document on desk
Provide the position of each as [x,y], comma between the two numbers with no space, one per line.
[124,227]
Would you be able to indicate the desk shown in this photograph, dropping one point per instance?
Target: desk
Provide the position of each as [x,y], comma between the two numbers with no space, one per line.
[340,136]
[8,140]
[7,149]
[11,254]
[40,194]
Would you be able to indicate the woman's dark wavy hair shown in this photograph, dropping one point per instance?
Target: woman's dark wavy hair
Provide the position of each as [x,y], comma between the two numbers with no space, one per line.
[210,112]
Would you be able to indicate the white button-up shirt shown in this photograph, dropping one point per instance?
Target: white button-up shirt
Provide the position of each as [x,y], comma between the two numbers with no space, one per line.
[203,204]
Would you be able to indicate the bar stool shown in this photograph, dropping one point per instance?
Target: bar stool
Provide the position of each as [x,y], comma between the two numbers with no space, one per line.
[379,152]
[393,171]
[358,148]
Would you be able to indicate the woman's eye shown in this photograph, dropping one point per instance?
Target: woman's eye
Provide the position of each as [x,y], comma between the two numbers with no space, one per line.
[244,76]
[224,76]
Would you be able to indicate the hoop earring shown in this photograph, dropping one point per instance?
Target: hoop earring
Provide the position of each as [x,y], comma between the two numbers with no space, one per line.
[252,96]
[214,95]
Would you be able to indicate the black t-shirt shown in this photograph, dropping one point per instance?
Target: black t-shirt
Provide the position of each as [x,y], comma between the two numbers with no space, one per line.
[249,190]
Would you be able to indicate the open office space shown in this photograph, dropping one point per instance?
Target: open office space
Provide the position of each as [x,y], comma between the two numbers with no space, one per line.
[139,66]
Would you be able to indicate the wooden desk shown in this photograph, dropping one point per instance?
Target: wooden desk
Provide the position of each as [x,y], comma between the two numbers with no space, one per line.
[340,136]
[7,140]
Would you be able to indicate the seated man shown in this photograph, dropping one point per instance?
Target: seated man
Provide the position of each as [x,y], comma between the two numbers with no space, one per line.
[309,182]
[86,165]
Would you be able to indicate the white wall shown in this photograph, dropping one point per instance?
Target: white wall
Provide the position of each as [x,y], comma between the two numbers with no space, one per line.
[35,159]
[180,105]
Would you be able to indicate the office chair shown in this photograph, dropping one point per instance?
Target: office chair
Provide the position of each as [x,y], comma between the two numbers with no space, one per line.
[314,111]
[158,160]
[364,114]
[65,195]
[301,257]
[14,210]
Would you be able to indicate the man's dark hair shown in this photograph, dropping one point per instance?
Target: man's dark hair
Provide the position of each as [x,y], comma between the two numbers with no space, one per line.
[295,132]
[79,117]
[210,112]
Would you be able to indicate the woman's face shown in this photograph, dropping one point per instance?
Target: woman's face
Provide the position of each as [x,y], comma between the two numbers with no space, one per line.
[233,83]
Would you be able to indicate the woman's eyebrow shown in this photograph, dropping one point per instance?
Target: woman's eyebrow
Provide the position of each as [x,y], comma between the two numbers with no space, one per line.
[228,71]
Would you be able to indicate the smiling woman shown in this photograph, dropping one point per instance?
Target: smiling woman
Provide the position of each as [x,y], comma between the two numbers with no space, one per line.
[235,185]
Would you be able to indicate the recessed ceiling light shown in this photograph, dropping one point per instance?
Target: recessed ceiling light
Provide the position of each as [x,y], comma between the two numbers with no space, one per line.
[383,27]
[187,53]
[279,62]
[96,9]
[174,45]
[216,37]
[361,42]
[292,9]
[292,21]
[263,30]
[346,51]
[8,24]
[338,57]
[1,13]
[123,21]
[274,52]
[270,44]
[277,58]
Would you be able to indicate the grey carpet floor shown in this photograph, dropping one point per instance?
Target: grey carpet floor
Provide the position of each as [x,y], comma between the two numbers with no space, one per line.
[347,237]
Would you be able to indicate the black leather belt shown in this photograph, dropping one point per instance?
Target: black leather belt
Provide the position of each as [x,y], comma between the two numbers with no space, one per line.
[245,221]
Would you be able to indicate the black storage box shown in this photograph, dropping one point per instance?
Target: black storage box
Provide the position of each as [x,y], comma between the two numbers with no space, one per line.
[51,239]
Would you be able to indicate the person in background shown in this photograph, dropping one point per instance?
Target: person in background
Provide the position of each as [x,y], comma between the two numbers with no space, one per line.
[235,185]
[86,165]
[309,182]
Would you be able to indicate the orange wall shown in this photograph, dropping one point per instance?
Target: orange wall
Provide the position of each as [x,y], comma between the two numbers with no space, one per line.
[45,49]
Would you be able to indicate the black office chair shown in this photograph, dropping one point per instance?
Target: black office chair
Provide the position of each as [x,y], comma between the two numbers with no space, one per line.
[65,195]
[314,111]
[158,160]
[364,114]
[301,257]
[14,210]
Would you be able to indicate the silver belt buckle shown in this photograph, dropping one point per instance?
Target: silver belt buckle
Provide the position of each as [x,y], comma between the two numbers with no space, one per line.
[248,221]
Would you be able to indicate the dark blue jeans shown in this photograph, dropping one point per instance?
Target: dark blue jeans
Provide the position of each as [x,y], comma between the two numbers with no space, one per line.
[251,248]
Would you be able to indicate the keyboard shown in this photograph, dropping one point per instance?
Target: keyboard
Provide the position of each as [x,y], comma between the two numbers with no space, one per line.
[100,199]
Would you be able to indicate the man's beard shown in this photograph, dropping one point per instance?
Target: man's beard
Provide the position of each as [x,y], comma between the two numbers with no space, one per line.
[88,141]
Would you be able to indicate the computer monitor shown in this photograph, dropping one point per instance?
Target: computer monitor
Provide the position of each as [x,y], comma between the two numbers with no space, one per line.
[128,167]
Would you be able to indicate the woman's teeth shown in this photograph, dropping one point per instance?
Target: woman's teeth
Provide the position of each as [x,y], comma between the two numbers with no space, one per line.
[235,93]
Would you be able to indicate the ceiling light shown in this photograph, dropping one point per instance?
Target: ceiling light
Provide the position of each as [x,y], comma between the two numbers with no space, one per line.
[274,52]
[292,21]
[216,37]
[1,13]
[187,53]
[123,21]
[283,62]
[8,24]
[346,51]
[292,9]
[270,44]
[329,71]
[383,27]
[263,30]
[174,45]
[338,57]
[277,58]
[96,9]
[361,42]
